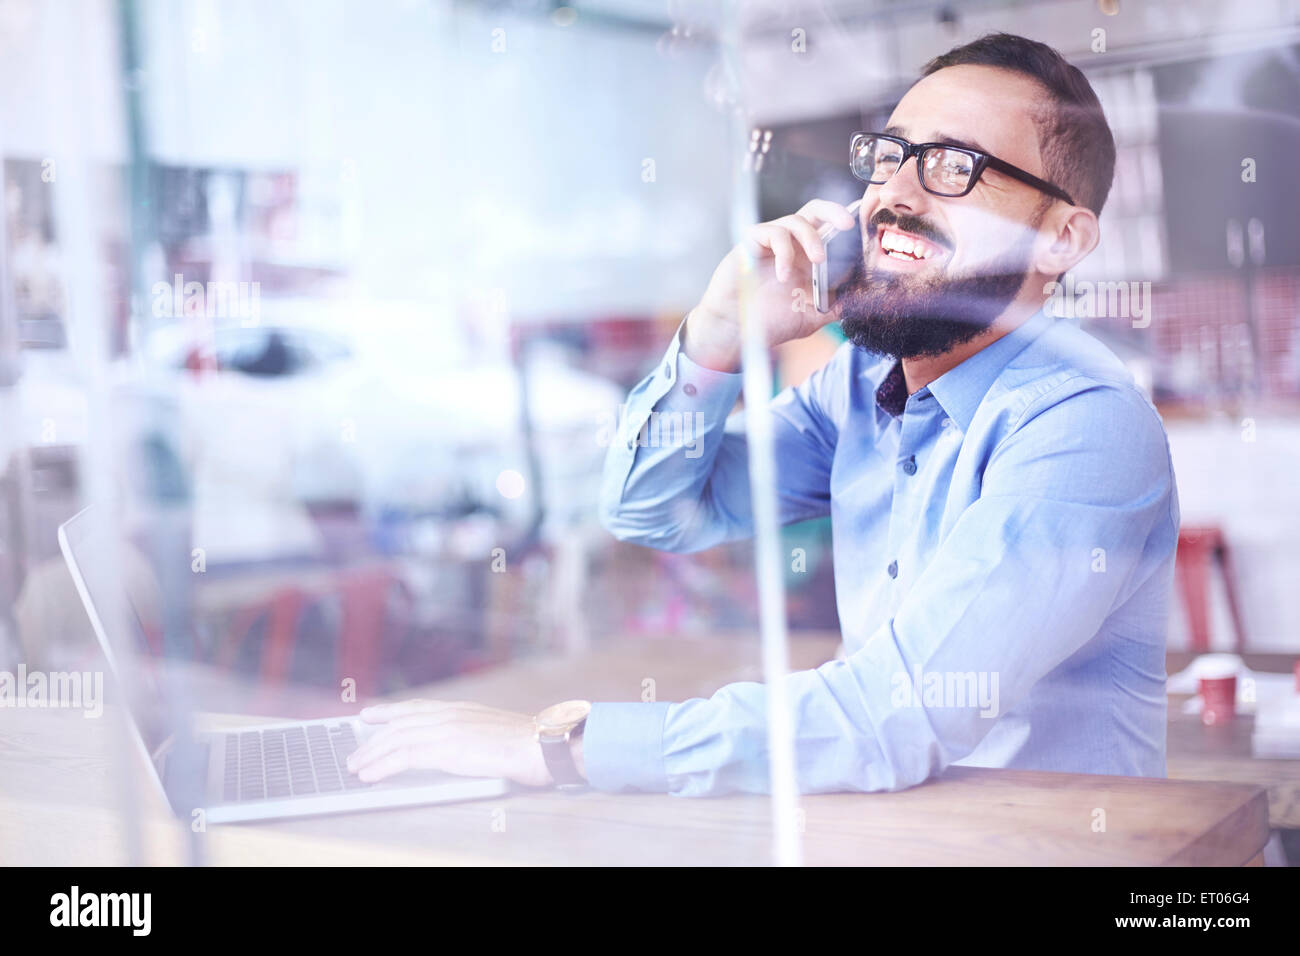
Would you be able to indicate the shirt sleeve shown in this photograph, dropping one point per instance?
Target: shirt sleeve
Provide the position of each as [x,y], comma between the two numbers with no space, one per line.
[1077,511]
[676,475]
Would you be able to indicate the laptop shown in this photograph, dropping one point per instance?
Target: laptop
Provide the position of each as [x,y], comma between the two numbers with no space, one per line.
[263,772]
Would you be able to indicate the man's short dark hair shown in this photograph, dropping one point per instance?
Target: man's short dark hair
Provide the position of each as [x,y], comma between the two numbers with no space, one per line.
[1078,148]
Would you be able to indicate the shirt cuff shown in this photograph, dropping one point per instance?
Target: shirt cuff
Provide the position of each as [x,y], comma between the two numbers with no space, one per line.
[623,747]
[695,388]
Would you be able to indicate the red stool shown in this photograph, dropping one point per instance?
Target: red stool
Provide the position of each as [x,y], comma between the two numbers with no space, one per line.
[1198,545]
[282,611]
[364,594]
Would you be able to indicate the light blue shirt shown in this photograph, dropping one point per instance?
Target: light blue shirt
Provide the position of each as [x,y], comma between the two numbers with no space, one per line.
[1003,548]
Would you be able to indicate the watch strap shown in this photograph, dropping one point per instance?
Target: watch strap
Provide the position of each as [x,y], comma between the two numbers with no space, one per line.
[559,758]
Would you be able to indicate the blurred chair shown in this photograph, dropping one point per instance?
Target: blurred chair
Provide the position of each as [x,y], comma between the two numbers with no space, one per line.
[364,593]
[1198,546]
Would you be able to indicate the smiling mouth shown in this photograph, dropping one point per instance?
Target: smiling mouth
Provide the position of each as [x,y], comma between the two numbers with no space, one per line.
[906,247]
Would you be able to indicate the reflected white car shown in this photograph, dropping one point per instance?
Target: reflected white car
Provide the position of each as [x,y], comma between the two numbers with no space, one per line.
[380,414]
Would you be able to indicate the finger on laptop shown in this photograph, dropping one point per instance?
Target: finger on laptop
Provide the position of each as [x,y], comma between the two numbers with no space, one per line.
[390,741]
[390,763]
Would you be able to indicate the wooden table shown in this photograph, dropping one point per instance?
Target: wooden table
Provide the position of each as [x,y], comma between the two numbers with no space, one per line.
[683,669]
[59,799]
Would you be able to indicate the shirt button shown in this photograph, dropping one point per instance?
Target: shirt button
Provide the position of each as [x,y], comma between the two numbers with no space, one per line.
[909,466]
[668,371]
[893,569]
[688,388]
[946,423]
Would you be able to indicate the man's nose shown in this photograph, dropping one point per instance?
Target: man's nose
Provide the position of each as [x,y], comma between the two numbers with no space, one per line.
[903,192]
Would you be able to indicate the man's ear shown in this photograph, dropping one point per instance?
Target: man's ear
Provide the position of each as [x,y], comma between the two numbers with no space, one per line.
[1068,234]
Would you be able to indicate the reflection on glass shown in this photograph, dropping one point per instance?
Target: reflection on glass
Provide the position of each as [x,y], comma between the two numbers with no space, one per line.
[360,334]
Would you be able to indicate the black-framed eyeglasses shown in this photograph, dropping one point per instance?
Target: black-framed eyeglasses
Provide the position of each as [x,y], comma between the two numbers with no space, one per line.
[943,169]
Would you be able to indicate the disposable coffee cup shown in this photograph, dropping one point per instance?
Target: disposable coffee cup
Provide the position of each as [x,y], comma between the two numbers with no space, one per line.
[1218,699]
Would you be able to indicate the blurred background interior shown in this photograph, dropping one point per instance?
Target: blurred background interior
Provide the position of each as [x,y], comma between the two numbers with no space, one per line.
[338,301]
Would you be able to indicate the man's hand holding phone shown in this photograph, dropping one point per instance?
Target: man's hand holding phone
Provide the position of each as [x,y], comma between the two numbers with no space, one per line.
[786,251]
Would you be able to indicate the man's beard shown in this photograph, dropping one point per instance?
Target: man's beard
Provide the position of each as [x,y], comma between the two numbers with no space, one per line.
[905,316]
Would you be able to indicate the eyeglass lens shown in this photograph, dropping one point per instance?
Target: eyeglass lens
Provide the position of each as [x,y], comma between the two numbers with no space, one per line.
[945,172]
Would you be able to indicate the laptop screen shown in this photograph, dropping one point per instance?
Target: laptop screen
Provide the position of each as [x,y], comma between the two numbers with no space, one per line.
[110,580]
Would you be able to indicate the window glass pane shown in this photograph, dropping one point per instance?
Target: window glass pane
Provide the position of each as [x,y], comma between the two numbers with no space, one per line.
[358,354]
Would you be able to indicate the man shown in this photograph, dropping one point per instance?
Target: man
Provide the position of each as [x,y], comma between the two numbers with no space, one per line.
[1003,502]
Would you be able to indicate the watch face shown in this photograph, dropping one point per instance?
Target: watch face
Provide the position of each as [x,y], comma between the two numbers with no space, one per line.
[559,718]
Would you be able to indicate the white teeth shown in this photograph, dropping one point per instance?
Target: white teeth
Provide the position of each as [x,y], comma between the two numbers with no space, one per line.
[905,247]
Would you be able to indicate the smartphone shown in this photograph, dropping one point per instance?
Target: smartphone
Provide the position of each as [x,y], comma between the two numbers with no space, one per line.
[821,283]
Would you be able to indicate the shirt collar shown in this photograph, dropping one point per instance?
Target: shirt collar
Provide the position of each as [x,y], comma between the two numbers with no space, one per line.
[961,389]
[891,393]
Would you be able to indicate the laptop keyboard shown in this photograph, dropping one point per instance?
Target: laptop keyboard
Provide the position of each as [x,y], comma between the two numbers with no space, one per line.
[289,762]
